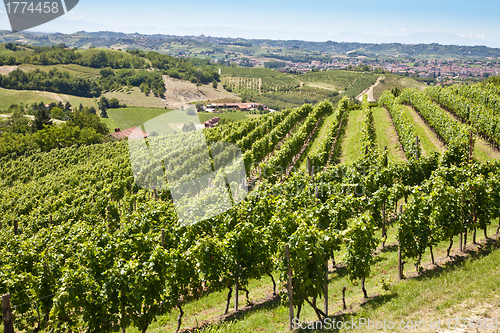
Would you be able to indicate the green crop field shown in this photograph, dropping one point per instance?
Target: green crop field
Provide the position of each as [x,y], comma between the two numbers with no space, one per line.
[9,97]
[129,117]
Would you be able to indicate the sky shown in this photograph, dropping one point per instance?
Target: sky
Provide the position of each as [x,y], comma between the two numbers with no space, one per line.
[381,21]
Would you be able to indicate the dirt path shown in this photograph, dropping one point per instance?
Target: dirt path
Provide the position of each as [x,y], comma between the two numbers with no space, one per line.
[179,93]
[56,121]
[5,70]
[369,91]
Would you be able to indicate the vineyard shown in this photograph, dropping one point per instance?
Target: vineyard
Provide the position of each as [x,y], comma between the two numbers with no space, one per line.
[283,90]
[86,246]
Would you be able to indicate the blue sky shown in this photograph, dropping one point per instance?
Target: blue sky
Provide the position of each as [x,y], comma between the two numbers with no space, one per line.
[316,18]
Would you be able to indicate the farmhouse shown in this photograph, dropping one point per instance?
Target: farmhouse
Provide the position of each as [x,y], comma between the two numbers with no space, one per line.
[237,106]
[212,122]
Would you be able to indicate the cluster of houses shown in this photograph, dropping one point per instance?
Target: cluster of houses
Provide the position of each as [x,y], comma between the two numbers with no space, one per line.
[220,107]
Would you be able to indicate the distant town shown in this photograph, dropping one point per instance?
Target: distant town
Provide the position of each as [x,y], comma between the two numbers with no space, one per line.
[440,70]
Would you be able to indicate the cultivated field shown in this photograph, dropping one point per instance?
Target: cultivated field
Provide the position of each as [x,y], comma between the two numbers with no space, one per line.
[9,97]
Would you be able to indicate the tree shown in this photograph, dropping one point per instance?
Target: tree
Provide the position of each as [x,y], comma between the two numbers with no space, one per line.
[199,107]
[11,46]
[214,84]
[87,119]
[42,117]
[188,127]
[105,72]
[17,123]
[145,88]
[104,114]
[67,106]
[103,106]
[199,75]
[57,113]
[190,111]
[114,103]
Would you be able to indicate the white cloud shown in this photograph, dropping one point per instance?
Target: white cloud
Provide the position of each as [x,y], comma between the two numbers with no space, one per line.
[72,17]
[481,37]
[400,29]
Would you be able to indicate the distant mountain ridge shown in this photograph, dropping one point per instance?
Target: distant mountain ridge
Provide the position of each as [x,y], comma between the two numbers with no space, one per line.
[160,42]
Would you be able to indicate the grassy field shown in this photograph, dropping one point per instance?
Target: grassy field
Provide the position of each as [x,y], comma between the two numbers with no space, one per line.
[483,151]
[9,97]
[351,146]
[394,81]
[428,140]
[130,117]
[387,136]
[168,123]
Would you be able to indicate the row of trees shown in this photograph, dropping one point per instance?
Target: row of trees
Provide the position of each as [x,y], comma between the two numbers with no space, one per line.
[20,134]
[53,80]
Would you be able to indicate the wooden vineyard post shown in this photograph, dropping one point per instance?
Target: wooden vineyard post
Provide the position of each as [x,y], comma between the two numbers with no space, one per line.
[8,324]
[400,261]
[312,173]
[156,194]
[289,285]
[308,166]
[383,223]
[461,241]
[416,147]
[344,306]
[471,147]
[236,288]
[15,227]
[326,290]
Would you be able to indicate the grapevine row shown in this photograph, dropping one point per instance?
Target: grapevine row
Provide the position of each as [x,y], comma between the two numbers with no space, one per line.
[452,132]
[319,156]
[406,132]
[485,120]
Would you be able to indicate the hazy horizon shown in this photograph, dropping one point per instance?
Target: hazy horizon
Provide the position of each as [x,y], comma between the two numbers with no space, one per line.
[444,22]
